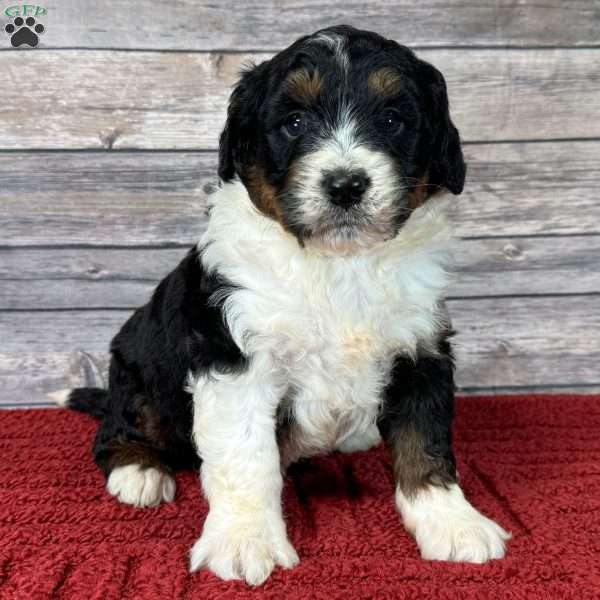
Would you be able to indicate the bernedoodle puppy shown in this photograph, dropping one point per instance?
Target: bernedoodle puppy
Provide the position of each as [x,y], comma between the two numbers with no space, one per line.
[310,317]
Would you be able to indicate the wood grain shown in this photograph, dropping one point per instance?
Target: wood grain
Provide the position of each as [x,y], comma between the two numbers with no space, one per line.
[85,235]
[27,377]
[528,266]
[548,341]
[63,278]
[202,25]
[101,198]
[128,199]
[157,100]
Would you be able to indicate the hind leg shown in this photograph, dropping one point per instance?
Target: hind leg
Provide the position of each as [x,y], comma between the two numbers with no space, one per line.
[141,486]
[137,446]
[135,466]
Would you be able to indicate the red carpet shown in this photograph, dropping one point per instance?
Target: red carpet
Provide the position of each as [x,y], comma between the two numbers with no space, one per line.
[532,463]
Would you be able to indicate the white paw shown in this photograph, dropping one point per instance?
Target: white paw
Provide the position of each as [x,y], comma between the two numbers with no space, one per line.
[138,486]
[447,527]
[244,550]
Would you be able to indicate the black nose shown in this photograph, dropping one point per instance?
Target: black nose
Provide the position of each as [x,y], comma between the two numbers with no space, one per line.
[345,189]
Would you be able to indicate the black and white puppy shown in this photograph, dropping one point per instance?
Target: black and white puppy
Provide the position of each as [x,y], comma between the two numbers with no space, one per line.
[310,317]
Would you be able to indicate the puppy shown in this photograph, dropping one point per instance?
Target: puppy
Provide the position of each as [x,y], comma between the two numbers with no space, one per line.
[310,317]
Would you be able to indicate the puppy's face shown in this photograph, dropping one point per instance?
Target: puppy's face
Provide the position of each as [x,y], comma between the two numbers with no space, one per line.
[340,136]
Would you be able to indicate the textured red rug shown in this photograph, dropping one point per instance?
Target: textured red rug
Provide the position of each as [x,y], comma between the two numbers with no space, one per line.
[532,463]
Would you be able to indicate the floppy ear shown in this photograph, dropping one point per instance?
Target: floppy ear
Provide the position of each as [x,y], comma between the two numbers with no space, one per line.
[446,164]
[238,141]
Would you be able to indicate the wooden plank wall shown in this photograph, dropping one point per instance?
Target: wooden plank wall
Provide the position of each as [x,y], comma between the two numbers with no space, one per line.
[108,133]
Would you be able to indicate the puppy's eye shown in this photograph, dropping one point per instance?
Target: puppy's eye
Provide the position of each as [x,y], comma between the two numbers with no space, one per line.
[392,121]
[295,125]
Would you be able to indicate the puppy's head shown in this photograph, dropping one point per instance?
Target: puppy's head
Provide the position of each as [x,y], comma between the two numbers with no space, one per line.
[340,137]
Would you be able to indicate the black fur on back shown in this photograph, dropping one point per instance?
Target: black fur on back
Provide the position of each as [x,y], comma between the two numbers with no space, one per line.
[146,412]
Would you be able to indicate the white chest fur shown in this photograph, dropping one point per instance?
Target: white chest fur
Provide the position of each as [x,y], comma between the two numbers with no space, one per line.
[329,326]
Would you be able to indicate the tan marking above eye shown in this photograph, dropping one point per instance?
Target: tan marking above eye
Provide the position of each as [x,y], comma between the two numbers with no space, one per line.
[385,81]
[303,86]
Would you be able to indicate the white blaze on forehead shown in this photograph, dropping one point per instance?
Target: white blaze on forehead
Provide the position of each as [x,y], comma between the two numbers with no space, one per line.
[337,44]
[344,134]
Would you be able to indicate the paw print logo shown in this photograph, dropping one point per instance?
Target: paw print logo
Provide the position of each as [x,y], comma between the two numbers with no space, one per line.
[24,31]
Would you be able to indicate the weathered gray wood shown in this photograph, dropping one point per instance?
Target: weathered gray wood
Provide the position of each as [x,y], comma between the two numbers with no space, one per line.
[160,198]
[520,189]
[104,278]
[155,100]
[27,377]
[91,198]
[92,265]
[81,99]
[82,278]
[527,390]
[72,293]
[527,341]
[188,24]
[527,266]
[502,342]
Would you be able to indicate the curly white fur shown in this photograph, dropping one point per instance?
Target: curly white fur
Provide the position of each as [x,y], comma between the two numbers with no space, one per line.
[319,330]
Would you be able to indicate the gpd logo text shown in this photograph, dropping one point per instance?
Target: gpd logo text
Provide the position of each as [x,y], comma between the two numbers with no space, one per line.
[25,10]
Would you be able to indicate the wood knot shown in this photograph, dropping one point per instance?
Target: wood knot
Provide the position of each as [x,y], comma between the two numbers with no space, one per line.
[513,252]
[108,139]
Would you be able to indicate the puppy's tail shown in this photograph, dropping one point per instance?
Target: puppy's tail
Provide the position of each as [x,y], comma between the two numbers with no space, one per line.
[93,401]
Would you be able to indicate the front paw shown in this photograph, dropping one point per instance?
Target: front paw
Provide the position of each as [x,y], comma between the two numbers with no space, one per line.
[243,550]
[470,537]
[447,527]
